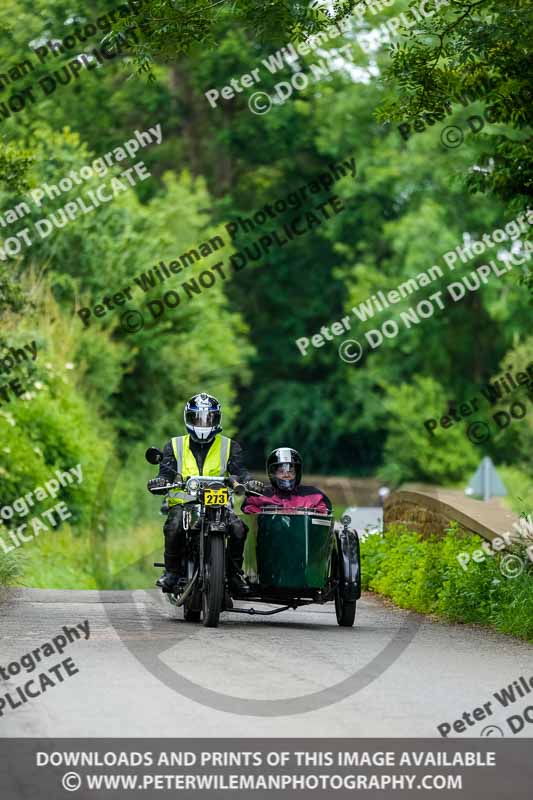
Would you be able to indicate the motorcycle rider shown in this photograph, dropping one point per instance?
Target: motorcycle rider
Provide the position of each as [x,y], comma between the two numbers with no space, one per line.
[284,469]
[202,451]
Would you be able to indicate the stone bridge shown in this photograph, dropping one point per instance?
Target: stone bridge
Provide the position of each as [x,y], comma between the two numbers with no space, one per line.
[428,509]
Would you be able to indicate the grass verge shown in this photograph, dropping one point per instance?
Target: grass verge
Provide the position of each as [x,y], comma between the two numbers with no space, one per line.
[69,559]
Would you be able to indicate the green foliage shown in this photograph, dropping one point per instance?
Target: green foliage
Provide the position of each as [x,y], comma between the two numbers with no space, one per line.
[411,452]
[515,443]
[52,426]
[12,299]
[10,570]
[169,30]
[425,575]
[100,254]
[480,47]
[64,560]
[520,487]
[14,165]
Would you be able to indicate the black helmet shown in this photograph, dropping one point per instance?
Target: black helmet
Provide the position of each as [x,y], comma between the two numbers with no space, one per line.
[202,417]
[284,461]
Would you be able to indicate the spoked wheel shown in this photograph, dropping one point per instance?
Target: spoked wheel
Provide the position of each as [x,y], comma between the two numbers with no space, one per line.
[213,594]
[345,610]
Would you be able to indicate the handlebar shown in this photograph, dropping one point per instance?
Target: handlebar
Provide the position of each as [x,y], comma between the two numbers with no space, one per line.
[203,480]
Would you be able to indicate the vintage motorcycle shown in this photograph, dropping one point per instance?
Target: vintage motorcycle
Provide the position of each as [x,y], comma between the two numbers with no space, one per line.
[292,557]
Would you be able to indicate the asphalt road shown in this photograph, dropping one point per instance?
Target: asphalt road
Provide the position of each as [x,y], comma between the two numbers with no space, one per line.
[141,668]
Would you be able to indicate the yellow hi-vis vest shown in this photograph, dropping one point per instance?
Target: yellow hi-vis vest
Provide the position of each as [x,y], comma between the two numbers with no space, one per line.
[216,463]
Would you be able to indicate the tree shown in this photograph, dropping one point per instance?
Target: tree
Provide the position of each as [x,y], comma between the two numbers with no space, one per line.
[169,30]
[478,49]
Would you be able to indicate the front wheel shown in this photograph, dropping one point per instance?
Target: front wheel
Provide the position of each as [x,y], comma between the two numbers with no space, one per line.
[345,610]
[213,593]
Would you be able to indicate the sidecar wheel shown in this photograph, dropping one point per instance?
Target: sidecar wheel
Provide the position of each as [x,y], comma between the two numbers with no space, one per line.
[345,610]
[213,594]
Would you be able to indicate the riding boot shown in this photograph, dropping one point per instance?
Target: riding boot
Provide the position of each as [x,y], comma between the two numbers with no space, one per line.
[168,581]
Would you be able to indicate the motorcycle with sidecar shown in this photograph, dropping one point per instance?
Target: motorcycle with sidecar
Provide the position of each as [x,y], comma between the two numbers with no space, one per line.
[292,558]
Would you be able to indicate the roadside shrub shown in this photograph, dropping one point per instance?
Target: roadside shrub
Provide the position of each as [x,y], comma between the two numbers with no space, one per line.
[425,575]
[9,569]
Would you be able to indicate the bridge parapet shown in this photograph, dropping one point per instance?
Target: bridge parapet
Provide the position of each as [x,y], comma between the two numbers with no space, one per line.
[429,510]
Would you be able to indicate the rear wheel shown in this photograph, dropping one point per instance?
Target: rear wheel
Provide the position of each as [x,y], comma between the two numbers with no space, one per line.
[213,594]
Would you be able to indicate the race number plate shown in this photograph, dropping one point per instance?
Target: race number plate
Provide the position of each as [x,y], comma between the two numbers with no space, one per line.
[216,497]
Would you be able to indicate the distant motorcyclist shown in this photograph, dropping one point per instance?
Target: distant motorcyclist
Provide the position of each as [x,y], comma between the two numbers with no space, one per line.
[203,451]
[284,469]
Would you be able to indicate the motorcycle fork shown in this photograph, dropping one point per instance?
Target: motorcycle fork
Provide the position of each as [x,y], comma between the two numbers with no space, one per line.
[204,533]
[202,548]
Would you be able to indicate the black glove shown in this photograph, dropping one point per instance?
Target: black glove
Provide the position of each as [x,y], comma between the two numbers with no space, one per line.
[156,483]
[255,486]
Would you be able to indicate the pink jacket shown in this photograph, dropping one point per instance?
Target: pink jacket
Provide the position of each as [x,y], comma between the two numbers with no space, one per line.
[303,497]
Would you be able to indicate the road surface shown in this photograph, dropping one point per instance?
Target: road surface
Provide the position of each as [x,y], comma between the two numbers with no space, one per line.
[123,687]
